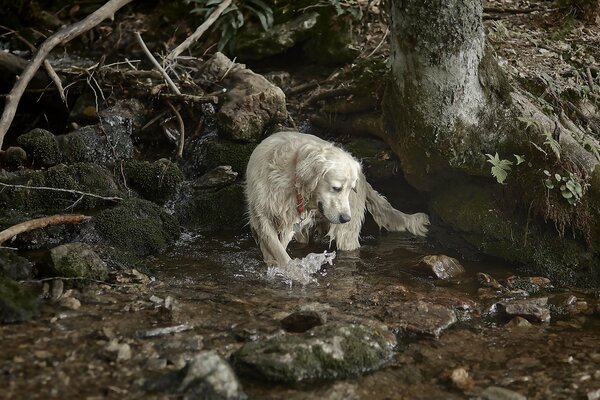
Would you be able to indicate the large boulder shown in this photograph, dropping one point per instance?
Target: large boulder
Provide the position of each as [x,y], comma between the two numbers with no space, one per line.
[329,351]
[250,104]
[203,154]
[14,266]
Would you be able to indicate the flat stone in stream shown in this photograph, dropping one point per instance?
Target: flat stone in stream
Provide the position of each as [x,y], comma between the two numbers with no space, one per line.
[500,393]
[207,376]
[441,266]
[329,351]
[534,310]
[420,317]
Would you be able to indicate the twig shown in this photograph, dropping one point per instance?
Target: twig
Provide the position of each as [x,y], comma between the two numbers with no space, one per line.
[39,223]
[108,198]
[108,10]
[387,30]
[181,130]
[168,79]
[199,31]
[329,94]
[191,97]
[56,79]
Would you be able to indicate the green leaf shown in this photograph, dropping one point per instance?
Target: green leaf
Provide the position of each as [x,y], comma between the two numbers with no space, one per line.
[520,159]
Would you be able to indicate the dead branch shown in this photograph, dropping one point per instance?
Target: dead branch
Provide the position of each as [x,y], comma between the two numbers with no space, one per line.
[181,130]
[156,64]
[78,192]
[191,97]
[199,31]
[56,79]
[39,223]
[329,94]
[108,10]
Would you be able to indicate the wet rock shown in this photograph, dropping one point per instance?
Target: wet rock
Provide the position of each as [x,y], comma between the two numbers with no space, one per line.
[122,351]
[420,318]
[137,225]
[218,177]
[17,303]
[164,331]
[535,310]
[277,39]
[206,376]
[499,393]
[324,352]
[377,159]
[442,266]
[461,379]
[518,322]
[531,285]
[210,209]
[13,157]
[593,394]
[78,260]
[208,152]
[70,302]
[301,321]
[14,266]
[251,103]
[108,141]
[488,281]
[155,181]
[41,147]
[57,287]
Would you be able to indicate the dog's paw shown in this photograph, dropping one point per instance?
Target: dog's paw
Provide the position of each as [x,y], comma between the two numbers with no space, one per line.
[417,224]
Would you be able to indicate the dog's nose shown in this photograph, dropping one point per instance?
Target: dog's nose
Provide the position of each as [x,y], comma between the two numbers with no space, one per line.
[344,218]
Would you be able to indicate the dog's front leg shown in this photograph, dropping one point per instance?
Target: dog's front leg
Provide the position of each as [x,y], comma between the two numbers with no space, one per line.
[272,249]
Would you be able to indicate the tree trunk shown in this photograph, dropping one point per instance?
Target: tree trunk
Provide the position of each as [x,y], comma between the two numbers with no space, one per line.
[448,105]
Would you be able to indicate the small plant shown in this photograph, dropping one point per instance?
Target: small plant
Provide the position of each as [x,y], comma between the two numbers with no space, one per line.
[500,168]
[234,17]
[550,142]
[569,186]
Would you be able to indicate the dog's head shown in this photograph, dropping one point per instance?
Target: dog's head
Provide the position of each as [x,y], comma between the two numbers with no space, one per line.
[330,175]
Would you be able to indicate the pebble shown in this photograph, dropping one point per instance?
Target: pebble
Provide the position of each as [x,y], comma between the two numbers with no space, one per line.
[70,302]
[499,393]
[461,379]
[518,322]
[443,267]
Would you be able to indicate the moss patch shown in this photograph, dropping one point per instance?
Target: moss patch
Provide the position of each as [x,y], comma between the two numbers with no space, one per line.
[156,181]
[210,152]
[17,304]
[78,260]
[139,226]
[41,146]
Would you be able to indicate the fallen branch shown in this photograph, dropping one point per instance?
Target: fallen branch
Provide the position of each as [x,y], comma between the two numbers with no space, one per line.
[56,79]
[199,31]
[156,64]
[108,10]
[78,192]
[43,222]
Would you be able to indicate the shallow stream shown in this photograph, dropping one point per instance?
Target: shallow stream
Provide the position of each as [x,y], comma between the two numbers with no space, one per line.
[223,298]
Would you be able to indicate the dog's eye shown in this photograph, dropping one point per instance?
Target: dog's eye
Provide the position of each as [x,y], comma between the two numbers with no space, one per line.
[336,189]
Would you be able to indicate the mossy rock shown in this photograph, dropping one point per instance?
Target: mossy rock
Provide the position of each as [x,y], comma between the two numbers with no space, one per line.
[210,209]
[41,146]
[210,151]
[472,211]
[330,351]
[17,303]
[138,226]
[84,177]
[13,157]
[78,260]
[14,266]
[155,181]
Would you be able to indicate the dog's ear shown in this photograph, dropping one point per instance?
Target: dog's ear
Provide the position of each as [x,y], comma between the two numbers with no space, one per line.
[311,166]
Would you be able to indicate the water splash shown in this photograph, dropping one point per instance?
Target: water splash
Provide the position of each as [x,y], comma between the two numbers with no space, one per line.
[301,270]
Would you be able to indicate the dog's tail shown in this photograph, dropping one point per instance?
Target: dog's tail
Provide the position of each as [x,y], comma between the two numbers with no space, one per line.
[391,219]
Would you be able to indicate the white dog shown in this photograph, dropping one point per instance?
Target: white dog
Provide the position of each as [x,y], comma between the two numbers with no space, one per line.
[293,178]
